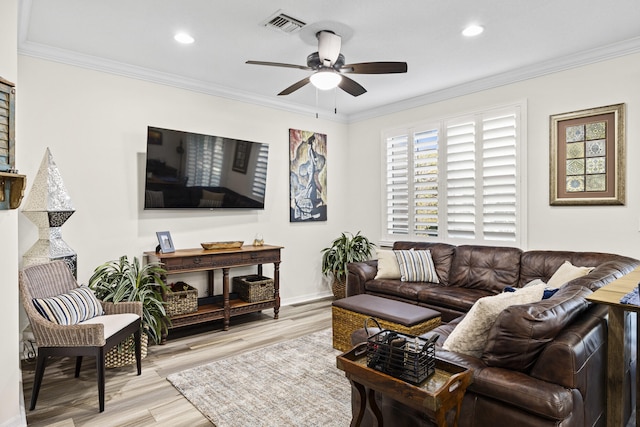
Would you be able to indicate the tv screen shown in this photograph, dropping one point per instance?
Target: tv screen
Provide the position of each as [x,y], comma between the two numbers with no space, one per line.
[195,171]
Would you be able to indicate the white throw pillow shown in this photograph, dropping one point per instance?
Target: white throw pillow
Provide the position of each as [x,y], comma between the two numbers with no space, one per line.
[567,272]
[388,267]
[416,266]
[470,335]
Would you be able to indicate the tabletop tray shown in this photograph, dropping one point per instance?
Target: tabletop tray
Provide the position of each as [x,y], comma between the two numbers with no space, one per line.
[446,381]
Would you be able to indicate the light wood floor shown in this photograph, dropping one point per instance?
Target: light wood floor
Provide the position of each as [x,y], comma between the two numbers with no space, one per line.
[149,399]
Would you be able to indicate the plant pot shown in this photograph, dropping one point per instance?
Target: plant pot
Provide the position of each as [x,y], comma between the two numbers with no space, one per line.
[125,353]
[339,287]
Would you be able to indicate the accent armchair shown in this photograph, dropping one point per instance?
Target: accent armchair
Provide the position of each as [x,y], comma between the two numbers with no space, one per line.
[67,320]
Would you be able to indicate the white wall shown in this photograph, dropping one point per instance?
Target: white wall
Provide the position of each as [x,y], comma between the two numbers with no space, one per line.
[11,410]
[95,125]
[602,228]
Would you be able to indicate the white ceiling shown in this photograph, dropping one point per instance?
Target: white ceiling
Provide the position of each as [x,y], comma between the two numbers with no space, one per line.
[522,39]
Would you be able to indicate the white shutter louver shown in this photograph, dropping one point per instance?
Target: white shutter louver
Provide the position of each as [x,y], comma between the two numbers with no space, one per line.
[425,186]
[397,194]
[499,178]
[460,178]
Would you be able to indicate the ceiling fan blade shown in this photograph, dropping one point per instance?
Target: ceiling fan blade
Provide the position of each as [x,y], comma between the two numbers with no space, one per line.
[279,64]
[351,86]
[328,47]
[295,86]
[375,68]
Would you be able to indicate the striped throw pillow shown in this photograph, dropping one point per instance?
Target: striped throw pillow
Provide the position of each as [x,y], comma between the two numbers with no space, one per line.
[416,266]
[70,308]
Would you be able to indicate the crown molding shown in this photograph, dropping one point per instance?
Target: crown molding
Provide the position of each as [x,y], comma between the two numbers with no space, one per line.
[67,57]
[627,47]
[27,48]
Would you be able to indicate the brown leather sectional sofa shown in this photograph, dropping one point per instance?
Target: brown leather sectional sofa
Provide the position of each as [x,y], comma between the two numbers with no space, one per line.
[544,363]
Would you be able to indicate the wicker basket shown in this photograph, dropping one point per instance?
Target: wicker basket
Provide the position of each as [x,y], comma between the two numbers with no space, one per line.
[253,288]
[407,357]
[181,302]
[124,354]
[339,287]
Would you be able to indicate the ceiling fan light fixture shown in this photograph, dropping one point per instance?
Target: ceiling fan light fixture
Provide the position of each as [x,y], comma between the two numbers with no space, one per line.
[325,80]
[473,30]
[183,38]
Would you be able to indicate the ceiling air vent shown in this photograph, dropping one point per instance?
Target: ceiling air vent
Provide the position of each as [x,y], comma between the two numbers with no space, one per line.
[284,23]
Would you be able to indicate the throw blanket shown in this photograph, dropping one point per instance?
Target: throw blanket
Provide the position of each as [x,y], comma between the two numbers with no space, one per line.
[631,298]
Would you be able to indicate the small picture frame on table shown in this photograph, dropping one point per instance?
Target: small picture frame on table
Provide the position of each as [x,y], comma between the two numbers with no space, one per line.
[166,243]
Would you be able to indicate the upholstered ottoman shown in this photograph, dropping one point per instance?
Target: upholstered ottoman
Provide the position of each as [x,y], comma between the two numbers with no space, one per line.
[349,315]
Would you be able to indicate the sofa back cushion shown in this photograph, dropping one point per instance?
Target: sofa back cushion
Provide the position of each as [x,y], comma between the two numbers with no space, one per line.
[521,332]
[489,268]
[543,264]
[441,254]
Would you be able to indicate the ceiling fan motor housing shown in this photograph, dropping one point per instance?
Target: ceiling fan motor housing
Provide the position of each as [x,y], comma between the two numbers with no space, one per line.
[313,61]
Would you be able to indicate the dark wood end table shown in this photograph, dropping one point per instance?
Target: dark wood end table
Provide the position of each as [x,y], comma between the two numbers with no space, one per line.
[435,396]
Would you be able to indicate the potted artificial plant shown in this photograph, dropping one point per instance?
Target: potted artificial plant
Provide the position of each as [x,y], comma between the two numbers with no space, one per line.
[125,280]
[343,250]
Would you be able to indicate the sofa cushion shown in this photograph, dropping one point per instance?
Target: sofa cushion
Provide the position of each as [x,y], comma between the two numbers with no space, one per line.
[567,272]
[416,266]
[521,332]
[459,299]
[397,289]
[388,267]
[470,336]
[70,308]
[441,253]
[485,267]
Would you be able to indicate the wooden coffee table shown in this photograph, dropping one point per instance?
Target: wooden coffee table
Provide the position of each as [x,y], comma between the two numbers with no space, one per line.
[436,396]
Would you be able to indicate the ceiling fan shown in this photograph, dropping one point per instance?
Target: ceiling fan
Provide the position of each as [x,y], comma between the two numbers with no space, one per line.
[329,68]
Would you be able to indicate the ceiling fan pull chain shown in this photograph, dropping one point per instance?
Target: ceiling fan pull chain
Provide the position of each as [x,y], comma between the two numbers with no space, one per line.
[335,101]
[316,103]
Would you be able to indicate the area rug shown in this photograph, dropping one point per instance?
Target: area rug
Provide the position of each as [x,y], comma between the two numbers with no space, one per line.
[293,383]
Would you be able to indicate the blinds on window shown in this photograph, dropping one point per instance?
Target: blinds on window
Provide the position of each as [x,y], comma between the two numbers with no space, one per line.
[459,185]
[499,185]
[425,183]
[397,191]
[461,180]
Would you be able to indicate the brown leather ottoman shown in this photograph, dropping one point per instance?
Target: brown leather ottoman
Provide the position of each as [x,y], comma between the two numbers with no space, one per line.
[349,315]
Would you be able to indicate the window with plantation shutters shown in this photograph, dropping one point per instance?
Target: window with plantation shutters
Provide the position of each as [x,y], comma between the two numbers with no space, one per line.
[457,180]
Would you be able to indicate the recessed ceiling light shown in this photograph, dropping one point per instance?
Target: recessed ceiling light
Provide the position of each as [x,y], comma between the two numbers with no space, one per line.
[183,38]
[473,30]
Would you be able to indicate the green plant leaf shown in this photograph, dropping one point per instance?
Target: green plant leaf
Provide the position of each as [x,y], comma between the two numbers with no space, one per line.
[129,280]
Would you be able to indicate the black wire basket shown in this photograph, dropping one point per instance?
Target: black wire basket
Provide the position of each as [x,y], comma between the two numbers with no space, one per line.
[406,357]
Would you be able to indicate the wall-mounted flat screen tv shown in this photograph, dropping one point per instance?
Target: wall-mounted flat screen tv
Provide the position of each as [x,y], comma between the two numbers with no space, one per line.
[187,170]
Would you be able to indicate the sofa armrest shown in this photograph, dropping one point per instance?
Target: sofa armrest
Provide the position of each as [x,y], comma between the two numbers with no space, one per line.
[511,388]
[358,273]
[134,307]
[525,392]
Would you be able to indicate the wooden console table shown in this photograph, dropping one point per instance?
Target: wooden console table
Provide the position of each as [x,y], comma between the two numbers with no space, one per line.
[435,397]
[221,306]
[618,359]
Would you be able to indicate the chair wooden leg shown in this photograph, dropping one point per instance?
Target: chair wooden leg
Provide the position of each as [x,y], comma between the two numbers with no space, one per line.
[100,368]
[137,338]
[37,381]
[78,365]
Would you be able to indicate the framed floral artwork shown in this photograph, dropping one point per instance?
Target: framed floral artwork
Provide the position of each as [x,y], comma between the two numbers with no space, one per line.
[587,157]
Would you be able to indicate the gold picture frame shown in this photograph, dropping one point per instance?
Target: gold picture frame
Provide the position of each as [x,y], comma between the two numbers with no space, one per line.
[587,157]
